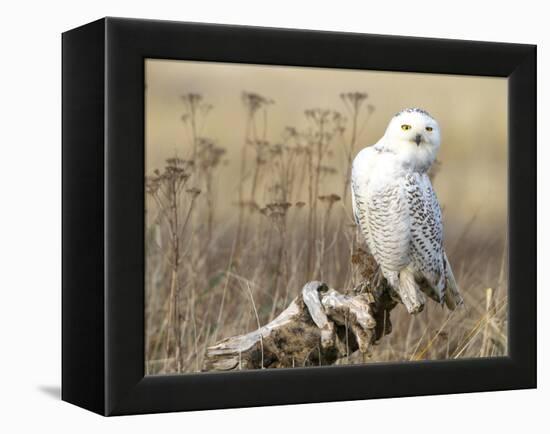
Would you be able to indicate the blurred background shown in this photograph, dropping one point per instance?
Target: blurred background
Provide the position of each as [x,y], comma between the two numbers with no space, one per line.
[256,189]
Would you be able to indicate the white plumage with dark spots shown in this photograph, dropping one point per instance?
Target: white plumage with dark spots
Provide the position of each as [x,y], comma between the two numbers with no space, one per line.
[398,213]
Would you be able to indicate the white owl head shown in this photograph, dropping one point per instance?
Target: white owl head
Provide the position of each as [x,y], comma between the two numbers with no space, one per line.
[415,135]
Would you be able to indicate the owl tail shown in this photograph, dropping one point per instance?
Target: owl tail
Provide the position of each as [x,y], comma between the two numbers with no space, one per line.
[453,299]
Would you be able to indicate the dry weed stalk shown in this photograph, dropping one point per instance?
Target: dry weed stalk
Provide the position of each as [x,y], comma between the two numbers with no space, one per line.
[166,188]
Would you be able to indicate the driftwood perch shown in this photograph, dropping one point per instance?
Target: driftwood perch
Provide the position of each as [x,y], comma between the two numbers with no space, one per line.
[317,328]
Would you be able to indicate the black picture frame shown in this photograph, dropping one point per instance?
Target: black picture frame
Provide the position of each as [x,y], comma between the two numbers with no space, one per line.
[103,215]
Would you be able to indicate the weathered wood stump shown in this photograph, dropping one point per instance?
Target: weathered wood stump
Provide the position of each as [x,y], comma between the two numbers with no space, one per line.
[319,327]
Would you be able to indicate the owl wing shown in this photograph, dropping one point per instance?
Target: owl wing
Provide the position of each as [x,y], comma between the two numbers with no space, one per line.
[426,249]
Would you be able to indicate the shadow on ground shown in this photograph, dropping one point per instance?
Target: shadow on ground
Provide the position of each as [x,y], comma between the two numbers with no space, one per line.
[51,391]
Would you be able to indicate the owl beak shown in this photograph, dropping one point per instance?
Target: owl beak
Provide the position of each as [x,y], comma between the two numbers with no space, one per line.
[418,139]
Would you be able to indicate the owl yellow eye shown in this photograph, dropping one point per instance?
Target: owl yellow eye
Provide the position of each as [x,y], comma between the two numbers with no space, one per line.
[429,129]
[405,127]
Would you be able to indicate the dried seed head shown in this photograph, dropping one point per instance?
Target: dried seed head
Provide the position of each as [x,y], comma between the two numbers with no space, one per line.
[290,132]
[276,210]
[330,198]
[209,155]
[152,184]
[192,98]
[276,149]
[253,102]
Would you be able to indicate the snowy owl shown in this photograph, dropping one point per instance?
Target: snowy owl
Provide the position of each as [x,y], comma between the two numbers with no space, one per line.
[397,210]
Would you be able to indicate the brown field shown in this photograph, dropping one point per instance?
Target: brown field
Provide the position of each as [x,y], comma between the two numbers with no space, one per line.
[247,200]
